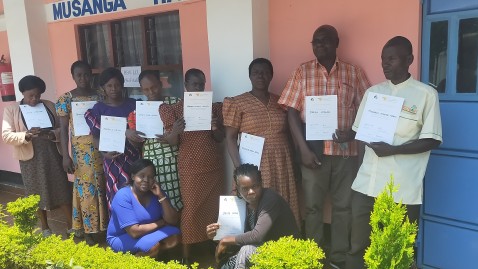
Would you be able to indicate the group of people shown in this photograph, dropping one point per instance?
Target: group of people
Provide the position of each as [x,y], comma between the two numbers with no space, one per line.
[142,195]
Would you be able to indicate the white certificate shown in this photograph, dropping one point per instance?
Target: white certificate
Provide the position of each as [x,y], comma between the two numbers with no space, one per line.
[250,149]
[197,111]
[232,216]
[379,118]
[78,110]
[36,116]
[148,120]
[112,134]
[320,117]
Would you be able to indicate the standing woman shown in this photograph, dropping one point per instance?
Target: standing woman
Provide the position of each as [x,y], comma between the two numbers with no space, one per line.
[200,164]
[163,155]
[37,151]
[256,112]
[115,165]
[89,204]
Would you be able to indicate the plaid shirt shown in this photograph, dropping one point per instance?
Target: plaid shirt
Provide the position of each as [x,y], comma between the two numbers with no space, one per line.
[346,81]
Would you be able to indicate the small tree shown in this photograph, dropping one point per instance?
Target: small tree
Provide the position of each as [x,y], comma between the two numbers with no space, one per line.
[393,236]
[288,253]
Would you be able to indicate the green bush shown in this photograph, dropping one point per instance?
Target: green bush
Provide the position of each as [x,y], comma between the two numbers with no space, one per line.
[22,248]
[288,253]
[24,211]
[393,236]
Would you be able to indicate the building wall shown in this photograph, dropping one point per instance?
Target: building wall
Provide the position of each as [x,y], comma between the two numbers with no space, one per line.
[363,26]
[6,152]
[193,38]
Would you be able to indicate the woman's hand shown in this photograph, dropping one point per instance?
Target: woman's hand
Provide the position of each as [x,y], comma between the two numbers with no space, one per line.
[33,132]
[178,126]
[156,190]
[211,230]
[134,136]
[110,154]
[68,165]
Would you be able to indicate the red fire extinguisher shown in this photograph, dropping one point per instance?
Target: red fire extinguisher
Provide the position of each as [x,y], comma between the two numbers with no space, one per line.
[6,81]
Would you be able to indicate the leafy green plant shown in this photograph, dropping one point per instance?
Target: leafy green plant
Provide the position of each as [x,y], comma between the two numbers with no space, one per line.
[24,211]
[21,247]
[288,253]
[393,236]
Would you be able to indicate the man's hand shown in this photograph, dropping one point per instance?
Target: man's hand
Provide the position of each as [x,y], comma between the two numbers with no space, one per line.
[214,123]
[309,159]
[178,126]
[382,149]
[343,136]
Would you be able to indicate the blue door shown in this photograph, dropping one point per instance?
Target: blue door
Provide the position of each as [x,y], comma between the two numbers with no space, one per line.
[448,236]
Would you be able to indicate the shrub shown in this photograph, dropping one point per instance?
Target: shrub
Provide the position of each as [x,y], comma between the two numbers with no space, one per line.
[288,253]
[24,211]
[21,247]
[393,236]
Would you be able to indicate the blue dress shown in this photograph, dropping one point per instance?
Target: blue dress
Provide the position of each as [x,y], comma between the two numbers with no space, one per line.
[116,170]
[127,211]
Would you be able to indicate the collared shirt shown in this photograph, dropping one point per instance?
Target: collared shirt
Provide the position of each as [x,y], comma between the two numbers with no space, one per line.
[346,81]
[419,119]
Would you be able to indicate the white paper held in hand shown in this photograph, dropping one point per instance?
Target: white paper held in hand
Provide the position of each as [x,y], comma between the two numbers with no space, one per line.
[197,111]
[112,134]
[78,110]
[232,216]
[320,117]
[250,149]
[148,120]
[379,118]
[36,116]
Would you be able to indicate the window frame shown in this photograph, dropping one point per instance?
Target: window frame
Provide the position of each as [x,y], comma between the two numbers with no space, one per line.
[81,44]
[452,52]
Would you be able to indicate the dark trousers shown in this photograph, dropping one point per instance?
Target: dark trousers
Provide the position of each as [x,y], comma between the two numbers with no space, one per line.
[362,206]
[335,175]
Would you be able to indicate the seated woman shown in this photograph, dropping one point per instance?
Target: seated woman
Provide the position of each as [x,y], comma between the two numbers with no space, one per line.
[269,217]
[142,216]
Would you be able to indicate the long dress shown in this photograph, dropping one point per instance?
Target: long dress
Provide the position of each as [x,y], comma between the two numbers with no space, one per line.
[43,174]
[89,204]
[116,170]
[249,115]
[201,174]
[164,158]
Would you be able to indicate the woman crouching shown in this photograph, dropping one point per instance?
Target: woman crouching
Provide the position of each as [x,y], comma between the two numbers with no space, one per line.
[269,217]
[142,217]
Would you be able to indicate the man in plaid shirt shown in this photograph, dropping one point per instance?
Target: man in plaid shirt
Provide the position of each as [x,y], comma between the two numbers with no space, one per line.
[331,168]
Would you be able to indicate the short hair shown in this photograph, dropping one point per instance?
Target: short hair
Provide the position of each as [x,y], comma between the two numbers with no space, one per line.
[110,73]
[261,61]
[80,64]
[249,170]
[145,73]
[139,165]
[193,72]
[400,41]
[328,28]
[31,82]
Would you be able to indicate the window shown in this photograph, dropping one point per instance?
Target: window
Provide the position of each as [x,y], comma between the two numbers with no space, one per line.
[467,56]
[152,42]
[438,55]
